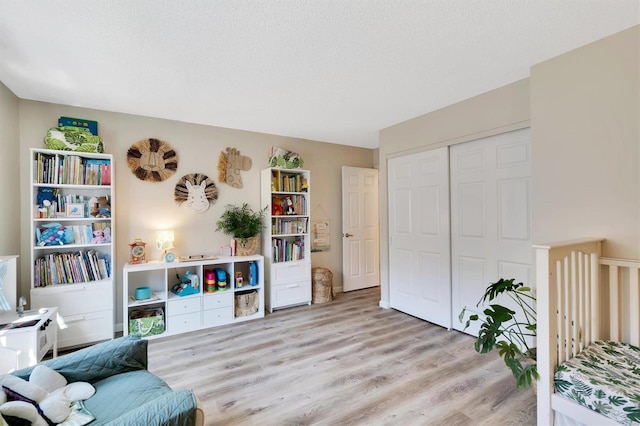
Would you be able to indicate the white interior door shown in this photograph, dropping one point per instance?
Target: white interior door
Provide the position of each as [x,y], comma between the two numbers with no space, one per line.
[419,258]
[361,228]
[491,216]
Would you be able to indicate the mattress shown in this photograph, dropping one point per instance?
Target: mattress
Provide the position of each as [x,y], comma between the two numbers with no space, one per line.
[605,378]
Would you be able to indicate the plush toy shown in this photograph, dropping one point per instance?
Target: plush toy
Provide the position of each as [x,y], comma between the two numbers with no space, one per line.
[54,234]
[288,205]
[101,207]
[98,237]
[276,208]
[45,399]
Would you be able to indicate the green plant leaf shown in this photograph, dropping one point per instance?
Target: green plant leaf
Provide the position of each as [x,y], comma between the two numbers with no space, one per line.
[241,221]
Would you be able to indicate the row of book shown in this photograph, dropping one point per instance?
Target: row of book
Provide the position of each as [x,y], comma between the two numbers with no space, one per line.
[285,250]
[288,182]
[71,170]
[71,267]
[289,226]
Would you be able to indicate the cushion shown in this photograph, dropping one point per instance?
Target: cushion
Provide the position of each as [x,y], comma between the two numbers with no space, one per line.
[605,378]
[172,408]
[100,361]
[121,393]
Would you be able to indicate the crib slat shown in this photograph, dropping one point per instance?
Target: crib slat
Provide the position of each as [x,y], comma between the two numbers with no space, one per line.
[634,312]
[573,341]
[614,304]
[560,313]
[594,334]
[578,331]
[567,310]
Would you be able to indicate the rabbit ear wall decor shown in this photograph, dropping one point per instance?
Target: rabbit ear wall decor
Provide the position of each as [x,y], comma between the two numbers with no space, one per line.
[229,166]
[197,190]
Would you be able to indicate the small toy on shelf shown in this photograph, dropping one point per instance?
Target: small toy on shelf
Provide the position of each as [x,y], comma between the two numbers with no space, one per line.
[98,237]
[137,251]
[209,281]
[221,279]
[188,285]
[289,205]
[101,207]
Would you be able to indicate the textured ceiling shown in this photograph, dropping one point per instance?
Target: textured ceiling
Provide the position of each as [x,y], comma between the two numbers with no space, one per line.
[332,70]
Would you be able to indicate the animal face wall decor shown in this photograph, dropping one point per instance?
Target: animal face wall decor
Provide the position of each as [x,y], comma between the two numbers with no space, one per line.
[229,166]
[197,190]
[152,160]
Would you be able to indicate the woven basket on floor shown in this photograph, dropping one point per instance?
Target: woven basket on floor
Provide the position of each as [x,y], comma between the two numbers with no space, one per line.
[322,284]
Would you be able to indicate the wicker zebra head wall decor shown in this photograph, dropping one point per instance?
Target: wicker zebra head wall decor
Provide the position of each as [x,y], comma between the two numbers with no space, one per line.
[197,190]
[152,160]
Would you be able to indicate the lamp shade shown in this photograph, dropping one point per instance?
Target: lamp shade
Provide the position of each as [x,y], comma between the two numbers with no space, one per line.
[164,239]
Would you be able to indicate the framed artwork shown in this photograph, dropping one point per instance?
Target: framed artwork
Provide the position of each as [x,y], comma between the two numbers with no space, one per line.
[320,232]
[75,210]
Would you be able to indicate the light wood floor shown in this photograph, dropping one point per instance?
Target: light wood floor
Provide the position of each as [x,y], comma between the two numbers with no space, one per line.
[347,362]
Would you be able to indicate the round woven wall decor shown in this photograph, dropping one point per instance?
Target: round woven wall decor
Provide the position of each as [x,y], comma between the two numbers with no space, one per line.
[197,190]
[152,160]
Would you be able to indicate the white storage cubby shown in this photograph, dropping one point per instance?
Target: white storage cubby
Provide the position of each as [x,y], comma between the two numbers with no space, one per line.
[194,311]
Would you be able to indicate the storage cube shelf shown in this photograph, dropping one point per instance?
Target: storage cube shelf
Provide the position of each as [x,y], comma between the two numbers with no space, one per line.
[194,311]
[76,276]
[286,242]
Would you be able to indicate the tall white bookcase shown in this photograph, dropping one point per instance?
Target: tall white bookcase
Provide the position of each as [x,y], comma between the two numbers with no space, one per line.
[77,277]
[286,239]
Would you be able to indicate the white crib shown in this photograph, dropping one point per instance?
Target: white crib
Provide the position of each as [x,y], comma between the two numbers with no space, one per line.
[581,297]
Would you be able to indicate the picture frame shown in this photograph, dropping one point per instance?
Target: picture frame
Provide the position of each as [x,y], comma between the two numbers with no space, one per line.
[75,210]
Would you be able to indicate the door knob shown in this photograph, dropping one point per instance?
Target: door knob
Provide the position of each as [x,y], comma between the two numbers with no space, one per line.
[348,235]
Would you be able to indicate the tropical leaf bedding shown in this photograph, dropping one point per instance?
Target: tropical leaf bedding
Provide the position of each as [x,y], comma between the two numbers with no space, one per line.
[605,377]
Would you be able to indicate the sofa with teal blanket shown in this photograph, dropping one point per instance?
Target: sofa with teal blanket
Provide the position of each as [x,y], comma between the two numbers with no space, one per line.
[126,392]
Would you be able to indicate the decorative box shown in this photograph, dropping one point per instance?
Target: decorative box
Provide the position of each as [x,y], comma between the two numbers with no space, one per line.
[90,125]
[147,322]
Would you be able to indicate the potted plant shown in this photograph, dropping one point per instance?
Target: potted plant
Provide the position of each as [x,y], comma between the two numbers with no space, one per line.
[243,224]
[508,331]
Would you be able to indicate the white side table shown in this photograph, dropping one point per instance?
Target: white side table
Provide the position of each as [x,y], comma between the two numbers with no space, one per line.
[28,337]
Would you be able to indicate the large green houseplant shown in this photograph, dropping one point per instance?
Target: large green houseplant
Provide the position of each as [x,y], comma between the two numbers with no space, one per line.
[243,224]
[506,330]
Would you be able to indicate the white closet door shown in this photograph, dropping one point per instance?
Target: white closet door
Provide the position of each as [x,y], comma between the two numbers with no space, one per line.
[491,216]
[419,255]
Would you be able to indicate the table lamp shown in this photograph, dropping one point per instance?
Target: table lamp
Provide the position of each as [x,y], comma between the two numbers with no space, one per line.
[164,241]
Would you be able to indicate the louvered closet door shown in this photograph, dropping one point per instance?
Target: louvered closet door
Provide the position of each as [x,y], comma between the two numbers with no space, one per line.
[491,216]
[419,279]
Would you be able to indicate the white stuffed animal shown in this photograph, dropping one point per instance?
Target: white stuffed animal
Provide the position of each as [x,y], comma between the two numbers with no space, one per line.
[45,394]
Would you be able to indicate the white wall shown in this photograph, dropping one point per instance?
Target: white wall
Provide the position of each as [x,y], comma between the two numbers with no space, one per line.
[9,174]
[145,207]
[585,117]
